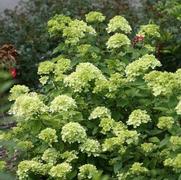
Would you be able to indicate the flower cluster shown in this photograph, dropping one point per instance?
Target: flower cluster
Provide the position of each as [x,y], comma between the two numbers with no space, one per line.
[50,155]
[148,147]
[100,112]
[25,145]
[150,30]
[118,40]
[141,66]
[2,165]
[48,135]
[18,90]
[137,169]
[76,30]
[165,122]
[175,141]
[94,16]
[119,23]
[28,105]
[57,24]
[85,73]
[26,167]
[62,103]
[73,132]
[69,156]
[87,171]
[45,68]
[138,117]
[91,147]
[60,170]
[178,108]
[175,163]
[106,124]
[161,83]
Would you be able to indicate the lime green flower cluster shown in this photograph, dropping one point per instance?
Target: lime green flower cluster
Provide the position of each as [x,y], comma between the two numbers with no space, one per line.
[100,112]
[106,124]
[148,147]
[25,145]
[50,156]
[48,135]
[87,171]
[69,156]
[94,17]
[137,169]
[175,141]
[45,68]
[84,73]
[178,108]
[73,132]
[141,66]
[162,83]
[60,171]
[118,23]
[27,167]
[76,30]
[118,40]
[57,24]
[28,105]
[18,90]
[91,147]
[138,117]
[165,122]
[62,103]
[150,30]
[175,163]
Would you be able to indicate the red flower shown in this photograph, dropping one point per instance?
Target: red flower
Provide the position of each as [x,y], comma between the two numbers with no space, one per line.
[13,72]
[137,38]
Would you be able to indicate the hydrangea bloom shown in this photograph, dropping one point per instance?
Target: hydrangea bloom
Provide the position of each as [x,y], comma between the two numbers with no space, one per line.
[85,73]
[60,170]
[138,169]
[91,147]
[25,145]
[45,68]
[118,40]
[50,156]
[100,112]
[43,79]
[175,163]
[138,117]
[76,30]
[175,141]
[48,135]
[18,90]
[94,17]
[73,132]
[150,30]
[119,23]
[106,124]
[141,66]
[2,165]
[87,171]
[28,105]
[165,122]
[161,83]
[69,156]
[25,167]
[57,24]
[148,147]
[62,103]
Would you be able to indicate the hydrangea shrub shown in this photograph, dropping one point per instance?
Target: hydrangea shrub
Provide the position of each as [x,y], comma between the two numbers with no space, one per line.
[104,110]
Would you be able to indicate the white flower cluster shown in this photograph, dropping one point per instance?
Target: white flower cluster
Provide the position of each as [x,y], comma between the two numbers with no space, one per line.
[118,23]
[73,132]
[91,147]
[28,105]
[85,73]
[62,103]
[18,90]
[138,117]
[141,66]
[118,40]
[94,16]
[100,112]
